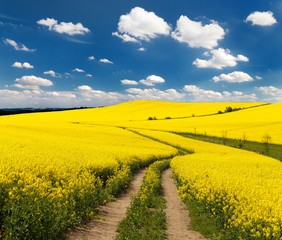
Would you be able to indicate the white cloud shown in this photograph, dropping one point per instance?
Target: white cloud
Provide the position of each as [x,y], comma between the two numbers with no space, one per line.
[68,75]
[84,88]
[84,95]
[104,60]
[98,97]
[37,98]
[141,49]
[273,94]
[88,94]
[78,70]
[32,82]
[22,65]
[152,80]
[18,46]
[258,77]
[154,94]
[197,35]
[261,18]
[88,75]
[91,58]
[140,25]
[60,95]
[52,73]
[48,22]
[68,28]
[129,82]
[220,58]
[202,95]
[234,77]
[125,37]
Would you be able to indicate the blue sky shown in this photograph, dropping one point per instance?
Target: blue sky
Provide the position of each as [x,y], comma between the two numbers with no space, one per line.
[61,53]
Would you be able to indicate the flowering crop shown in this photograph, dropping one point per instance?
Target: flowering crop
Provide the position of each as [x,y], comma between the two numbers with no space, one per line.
[56,168]
[143,109]
[146,218]
[241,189]
[54,173]
[252,123]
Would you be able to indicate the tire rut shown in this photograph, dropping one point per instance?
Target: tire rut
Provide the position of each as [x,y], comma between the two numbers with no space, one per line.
[110,215]
[178,220]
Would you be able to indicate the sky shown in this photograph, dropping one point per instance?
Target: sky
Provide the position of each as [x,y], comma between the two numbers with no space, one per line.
[88,53]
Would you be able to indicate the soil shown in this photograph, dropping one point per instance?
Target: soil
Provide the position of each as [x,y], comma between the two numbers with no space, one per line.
[178,220]
[110,215]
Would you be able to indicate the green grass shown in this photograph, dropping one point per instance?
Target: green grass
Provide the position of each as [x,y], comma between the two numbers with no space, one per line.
[271,150]
[203,221]
[146,217]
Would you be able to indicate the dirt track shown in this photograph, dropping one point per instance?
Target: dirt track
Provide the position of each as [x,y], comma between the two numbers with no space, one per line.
[178,220]
[110,216]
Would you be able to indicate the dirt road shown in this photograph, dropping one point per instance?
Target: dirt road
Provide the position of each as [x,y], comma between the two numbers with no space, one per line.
[110,216]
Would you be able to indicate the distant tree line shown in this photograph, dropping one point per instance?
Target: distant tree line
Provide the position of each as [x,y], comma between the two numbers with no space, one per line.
[12,111]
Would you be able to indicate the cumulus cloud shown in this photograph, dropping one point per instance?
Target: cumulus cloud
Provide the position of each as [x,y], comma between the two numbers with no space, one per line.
[78,70]
[68,28]
[22,65]
[125,37]
[261,18]
[91,58]
[105,60]
[87,93]
[32,96]
[18,46]
[197,35]
[84,88]
[273,94]
[234,77]
[32,82]
[154,94]
[52,73]
[220,58]
[48,22]
[141,25]
[152,80]
[37,98]
[129,82]
[141,49]
[199,94]
[63,94]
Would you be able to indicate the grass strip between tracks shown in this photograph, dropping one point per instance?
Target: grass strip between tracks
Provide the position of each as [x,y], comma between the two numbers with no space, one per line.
[146,217]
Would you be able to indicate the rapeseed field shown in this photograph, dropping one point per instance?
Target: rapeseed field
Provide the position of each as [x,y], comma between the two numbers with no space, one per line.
[241,189]
[57,168]
[54,174]
[252,123]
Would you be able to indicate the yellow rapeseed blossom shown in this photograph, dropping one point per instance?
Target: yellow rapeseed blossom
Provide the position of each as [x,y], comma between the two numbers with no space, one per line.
[63,161]
[63,166]
[241,189]
[251,124]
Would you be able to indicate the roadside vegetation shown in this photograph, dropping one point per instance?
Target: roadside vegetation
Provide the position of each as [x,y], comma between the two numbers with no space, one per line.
[265,147]
[146,217]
